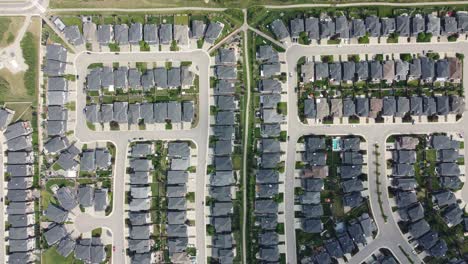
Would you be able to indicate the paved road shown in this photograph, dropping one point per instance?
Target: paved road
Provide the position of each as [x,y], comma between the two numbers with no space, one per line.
[388,231]
[199,135]
[25,7]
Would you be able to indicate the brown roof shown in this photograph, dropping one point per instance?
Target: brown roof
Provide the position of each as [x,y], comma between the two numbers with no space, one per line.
[454,69]
[315,172]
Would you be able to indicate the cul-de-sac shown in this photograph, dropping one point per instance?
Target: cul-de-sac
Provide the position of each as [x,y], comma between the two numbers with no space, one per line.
[233,132]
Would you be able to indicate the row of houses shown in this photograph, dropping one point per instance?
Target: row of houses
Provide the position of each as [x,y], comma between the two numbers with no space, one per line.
[20,233]
[141,170]
[55,60]
[133,34]
[410,210]
[223,180]
[388,106]
[268,182]
[123,78]
[88,250]
[312,182]
[372,26]
[176,191]
[147,113]
[422,69]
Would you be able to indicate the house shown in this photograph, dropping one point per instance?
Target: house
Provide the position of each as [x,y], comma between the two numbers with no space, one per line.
[139,246]
[267,176]
[358,28]
[342,30]
[362,70]
[165,34]
[401,70]
[213,32]
[66,198]
[105,34]
[362,106]
[375,71]
[442,70]
[73,35]
[444,142]
[270,160]
[389,106]
[88,161]
[67,162]
[454,70]
[121,77]
[223,132]
[327,28]
[6,115]
[173,78]
[449,25]
[279,29]
[403,106]
[227,103]
[221,208]
[352,200]
[225,118]
[333,248]
[20,157]
[307,72]
[266,100]
[405,156]
[222,224]
[54,234]
[224,87]
[228,72]
[404,199]
[267,54]
[433,25]
[21,220]
[269,70]
[178,149]
[296,26]
[100,199]
[451,182]
[21,128]
[56,128]
[187,77]
[312,27]
[352,157]
[181,34]
[265,207]
[352,185]
[373,26]
[89,31]
[356,233]
[388,26]
[270,145]
[86,196]
[323,109]
[57,84]
[134,78]
[346,243]
[197,29]
[452,215]
[310,198]
[428,240]
[427,69]
[417,25]
[121,34]
[268,238]
[270,116]
[147,79]
[120,112]
[135,33]
[269,254]
[415,69]
[416,105]
[321,71]
[439,249]
[349,70]
[133,113]
[313,184]
[336,107]
[403,25]
[403,170]
[310,110]
[150,34]
[349,109]
[52,146]
[335,72]
[388,71]
[447,155]
[429,106]
[57,98]
[413,213]
[462,19]
[419,228]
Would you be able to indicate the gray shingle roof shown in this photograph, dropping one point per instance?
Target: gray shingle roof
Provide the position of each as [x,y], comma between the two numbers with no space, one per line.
[150,34]
[135,34]
[121,34]
[279,29]
[165,34]
[213,31]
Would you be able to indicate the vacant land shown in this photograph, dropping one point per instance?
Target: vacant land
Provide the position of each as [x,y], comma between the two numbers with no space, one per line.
[8,28]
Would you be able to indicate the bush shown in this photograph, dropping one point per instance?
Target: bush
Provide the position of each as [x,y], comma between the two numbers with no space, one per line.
[424,37]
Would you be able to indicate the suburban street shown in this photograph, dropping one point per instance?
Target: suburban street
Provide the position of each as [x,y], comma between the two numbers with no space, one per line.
[373,133]
[199,135]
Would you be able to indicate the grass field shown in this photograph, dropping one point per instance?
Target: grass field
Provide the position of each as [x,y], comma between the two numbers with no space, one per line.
[21,87]
[192,3]
[8,27]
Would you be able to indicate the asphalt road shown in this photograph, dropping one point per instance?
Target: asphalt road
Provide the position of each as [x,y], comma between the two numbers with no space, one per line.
[389,235]
[25,7]
[199,135]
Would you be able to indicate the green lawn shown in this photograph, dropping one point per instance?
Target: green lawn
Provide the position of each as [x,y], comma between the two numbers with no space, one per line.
[51,256]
